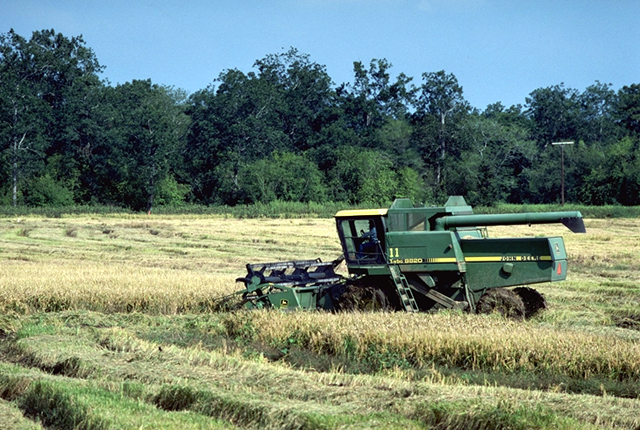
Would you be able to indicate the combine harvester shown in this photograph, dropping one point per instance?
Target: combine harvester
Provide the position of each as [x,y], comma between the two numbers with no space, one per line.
[420,259]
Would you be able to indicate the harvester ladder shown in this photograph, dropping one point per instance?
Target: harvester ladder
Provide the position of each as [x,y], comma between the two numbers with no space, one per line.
[404,290]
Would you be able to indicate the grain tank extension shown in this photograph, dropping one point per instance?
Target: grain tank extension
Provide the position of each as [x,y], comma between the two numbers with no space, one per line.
[420,259]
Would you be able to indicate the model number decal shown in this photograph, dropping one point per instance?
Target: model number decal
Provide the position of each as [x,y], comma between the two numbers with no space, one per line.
[421,260]
[394,253]
[407,261]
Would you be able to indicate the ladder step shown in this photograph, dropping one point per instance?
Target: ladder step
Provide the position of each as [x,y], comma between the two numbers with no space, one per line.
[404,290]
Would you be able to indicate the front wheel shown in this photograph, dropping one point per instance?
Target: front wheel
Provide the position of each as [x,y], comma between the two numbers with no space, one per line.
[362,296]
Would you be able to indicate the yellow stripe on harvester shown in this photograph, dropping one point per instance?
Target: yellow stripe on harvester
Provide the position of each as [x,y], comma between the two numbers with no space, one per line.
[441,260]
[484,259]
[487,259]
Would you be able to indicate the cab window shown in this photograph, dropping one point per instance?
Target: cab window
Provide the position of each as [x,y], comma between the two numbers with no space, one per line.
[362,240]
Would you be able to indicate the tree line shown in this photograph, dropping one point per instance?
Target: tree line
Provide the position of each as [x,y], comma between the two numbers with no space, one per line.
[286,131]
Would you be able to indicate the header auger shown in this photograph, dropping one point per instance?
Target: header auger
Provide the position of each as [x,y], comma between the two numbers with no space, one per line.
[420,259]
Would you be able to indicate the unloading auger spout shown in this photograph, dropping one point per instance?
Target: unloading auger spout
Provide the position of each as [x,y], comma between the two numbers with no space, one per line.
[571,220]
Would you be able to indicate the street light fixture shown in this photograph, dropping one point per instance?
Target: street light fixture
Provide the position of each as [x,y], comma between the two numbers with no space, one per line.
[562,145]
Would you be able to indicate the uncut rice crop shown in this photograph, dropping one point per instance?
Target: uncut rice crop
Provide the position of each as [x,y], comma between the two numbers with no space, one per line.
[449,339]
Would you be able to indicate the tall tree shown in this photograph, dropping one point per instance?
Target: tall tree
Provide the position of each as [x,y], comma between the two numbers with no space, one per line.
[282,106]
[495,163]
[233,124]
[38,79]
[373,99]
[555,112]
[301,92]
[24,111]
[628,110]
[148,125]
[439,99]
[596,118]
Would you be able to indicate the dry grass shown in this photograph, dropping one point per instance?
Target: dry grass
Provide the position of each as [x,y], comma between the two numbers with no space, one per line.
[150,283]
[122,264]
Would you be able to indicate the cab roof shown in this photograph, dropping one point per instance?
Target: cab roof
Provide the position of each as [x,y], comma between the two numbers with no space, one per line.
[362,212]
[456,205]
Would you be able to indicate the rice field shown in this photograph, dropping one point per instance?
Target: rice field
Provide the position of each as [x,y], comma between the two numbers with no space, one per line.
[113,321]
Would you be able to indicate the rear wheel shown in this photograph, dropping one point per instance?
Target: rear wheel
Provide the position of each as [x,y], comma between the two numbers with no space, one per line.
[534,301]
[502,301]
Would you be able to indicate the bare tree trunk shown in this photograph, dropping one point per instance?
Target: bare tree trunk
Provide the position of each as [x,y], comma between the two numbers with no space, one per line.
[152,188]
[150,203]
[443,150]
[16,146]
[14,174]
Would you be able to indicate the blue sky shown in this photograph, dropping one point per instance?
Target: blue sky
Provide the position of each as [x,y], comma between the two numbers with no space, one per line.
[500,50]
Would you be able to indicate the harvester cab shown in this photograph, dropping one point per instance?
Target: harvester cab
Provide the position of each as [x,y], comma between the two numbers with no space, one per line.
[420,259]
[361,248]
[362,235]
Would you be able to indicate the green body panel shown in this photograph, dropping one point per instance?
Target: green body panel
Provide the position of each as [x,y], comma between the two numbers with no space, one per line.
[288,299]
[370,270]
[493,263]
[284,300]
[425,251]
[559,254]
[447,249]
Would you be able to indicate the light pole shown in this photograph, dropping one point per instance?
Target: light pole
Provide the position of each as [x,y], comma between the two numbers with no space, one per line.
[562,145]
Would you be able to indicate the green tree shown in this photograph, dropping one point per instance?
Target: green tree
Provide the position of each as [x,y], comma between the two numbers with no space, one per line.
[496,162]
[396,140]
[233,124]
[283,176]
[597,186]
[372,100]
[410,185]
[512,116]
[555,112]
[628,109]
[439,103]
[147,128]
[597,110]
[301,92]
[618,179]
[23,110]
[362,176]
[47,191]
[41,80]
[595,132]
[282,106]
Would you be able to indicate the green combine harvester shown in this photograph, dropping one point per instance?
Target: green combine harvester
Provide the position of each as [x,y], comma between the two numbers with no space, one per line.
[420,259]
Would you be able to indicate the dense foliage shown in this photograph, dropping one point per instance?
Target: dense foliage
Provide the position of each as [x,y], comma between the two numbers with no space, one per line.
[286,132]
